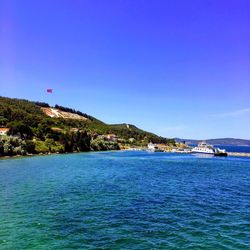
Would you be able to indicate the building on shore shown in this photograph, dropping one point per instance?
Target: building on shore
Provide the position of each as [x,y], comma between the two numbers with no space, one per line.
[111,137]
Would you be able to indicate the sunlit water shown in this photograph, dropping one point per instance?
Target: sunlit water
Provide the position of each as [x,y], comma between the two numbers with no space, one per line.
[125,200]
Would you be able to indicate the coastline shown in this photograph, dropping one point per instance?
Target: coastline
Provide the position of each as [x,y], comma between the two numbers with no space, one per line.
[6,157]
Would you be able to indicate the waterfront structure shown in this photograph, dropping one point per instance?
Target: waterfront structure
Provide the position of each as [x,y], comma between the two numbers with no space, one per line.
[111,137]
[153,148]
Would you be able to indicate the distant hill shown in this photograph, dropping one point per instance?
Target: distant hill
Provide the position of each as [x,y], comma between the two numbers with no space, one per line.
[131,131]
[219,141]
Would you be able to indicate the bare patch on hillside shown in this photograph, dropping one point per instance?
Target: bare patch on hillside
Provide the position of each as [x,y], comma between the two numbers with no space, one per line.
[56,113]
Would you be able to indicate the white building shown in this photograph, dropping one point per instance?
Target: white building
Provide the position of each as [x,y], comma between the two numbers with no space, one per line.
[111,137]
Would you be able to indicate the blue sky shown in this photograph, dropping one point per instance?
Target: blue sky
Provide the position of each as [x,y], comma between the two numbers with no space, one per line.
[176,68]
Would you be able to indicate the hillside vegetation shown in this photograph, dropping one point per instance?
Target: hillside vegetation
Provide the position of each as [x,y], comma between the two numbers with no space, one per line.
[32,131]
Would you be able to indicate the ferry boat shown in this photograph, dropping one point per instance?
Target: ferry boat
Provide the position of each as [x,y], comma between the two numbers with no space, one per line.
[205,148]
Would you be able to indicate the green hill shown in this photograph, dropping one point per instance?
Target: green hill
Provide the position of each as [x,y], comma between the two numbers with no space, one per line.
[130,131]
[33,130]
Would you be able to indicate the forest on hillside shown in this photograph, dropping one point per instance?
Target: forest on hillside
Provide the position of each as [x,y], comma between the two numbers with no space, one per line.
[31,131]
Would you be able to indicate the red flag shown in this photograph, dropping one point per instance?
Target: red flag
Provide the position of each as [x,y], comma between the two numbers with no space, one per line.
[49,90]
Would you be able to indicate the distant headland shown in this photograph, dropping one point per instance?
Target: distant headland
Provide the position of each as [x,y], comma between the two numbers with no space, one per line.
[219,141]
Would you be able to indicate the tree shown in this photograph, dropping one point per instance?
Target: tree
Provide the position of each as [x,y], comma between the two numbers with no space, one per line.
[18,128]
[42,130]
[83,141]
[1,147]
[3,121]
[30,147]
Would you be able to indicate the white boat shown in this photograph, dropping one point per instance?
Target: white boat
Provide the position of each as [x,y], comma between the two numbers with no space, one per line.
[205,148]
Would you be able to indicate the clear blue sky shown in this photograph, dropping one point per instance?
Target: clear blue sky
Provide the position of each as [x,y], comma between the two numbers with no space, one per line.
[177,68]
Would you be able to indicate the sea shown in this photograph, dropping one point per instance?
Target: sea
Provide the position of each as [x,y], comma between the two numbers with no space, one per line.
[240,149]
[125,200]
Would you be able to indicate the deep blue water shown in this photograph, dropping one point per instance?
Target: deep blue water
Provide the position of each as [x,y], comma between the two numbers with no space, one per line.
[125,200]
[241,149]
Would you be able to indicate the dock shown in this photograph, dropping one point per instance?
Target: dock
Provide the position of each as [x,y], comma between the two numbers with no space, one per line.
[238,154]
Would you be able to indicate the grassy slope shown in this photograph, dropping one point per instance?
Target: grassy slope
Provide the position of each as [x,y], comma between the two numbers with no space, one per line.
[129,131]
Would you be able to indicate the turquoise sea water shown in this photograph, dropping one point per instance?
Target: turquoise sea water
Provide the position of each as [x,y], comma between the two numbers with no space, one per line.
[125,200]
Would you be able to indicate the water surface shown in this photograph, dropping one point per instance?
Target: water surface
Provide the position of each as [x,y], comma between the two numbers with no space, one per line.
[125,200]
[240,149]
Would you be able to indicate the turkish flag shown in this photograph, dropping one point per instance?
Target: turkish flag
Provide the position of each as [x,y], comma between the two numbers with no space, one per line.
[49,90]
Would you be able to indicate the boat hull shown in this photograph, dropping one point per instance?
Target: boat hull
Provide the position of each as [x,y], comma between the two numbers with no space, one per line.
[215,154]
[207,153]
[220,154]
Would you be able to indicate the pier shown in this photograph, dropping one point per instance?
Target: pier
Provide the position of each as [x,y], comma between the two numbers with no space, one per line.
[238,154]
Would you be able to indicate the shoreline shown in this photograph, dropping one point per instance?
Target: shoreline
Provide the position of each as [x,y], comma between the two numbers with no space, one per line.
[239,154]
[6,157]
